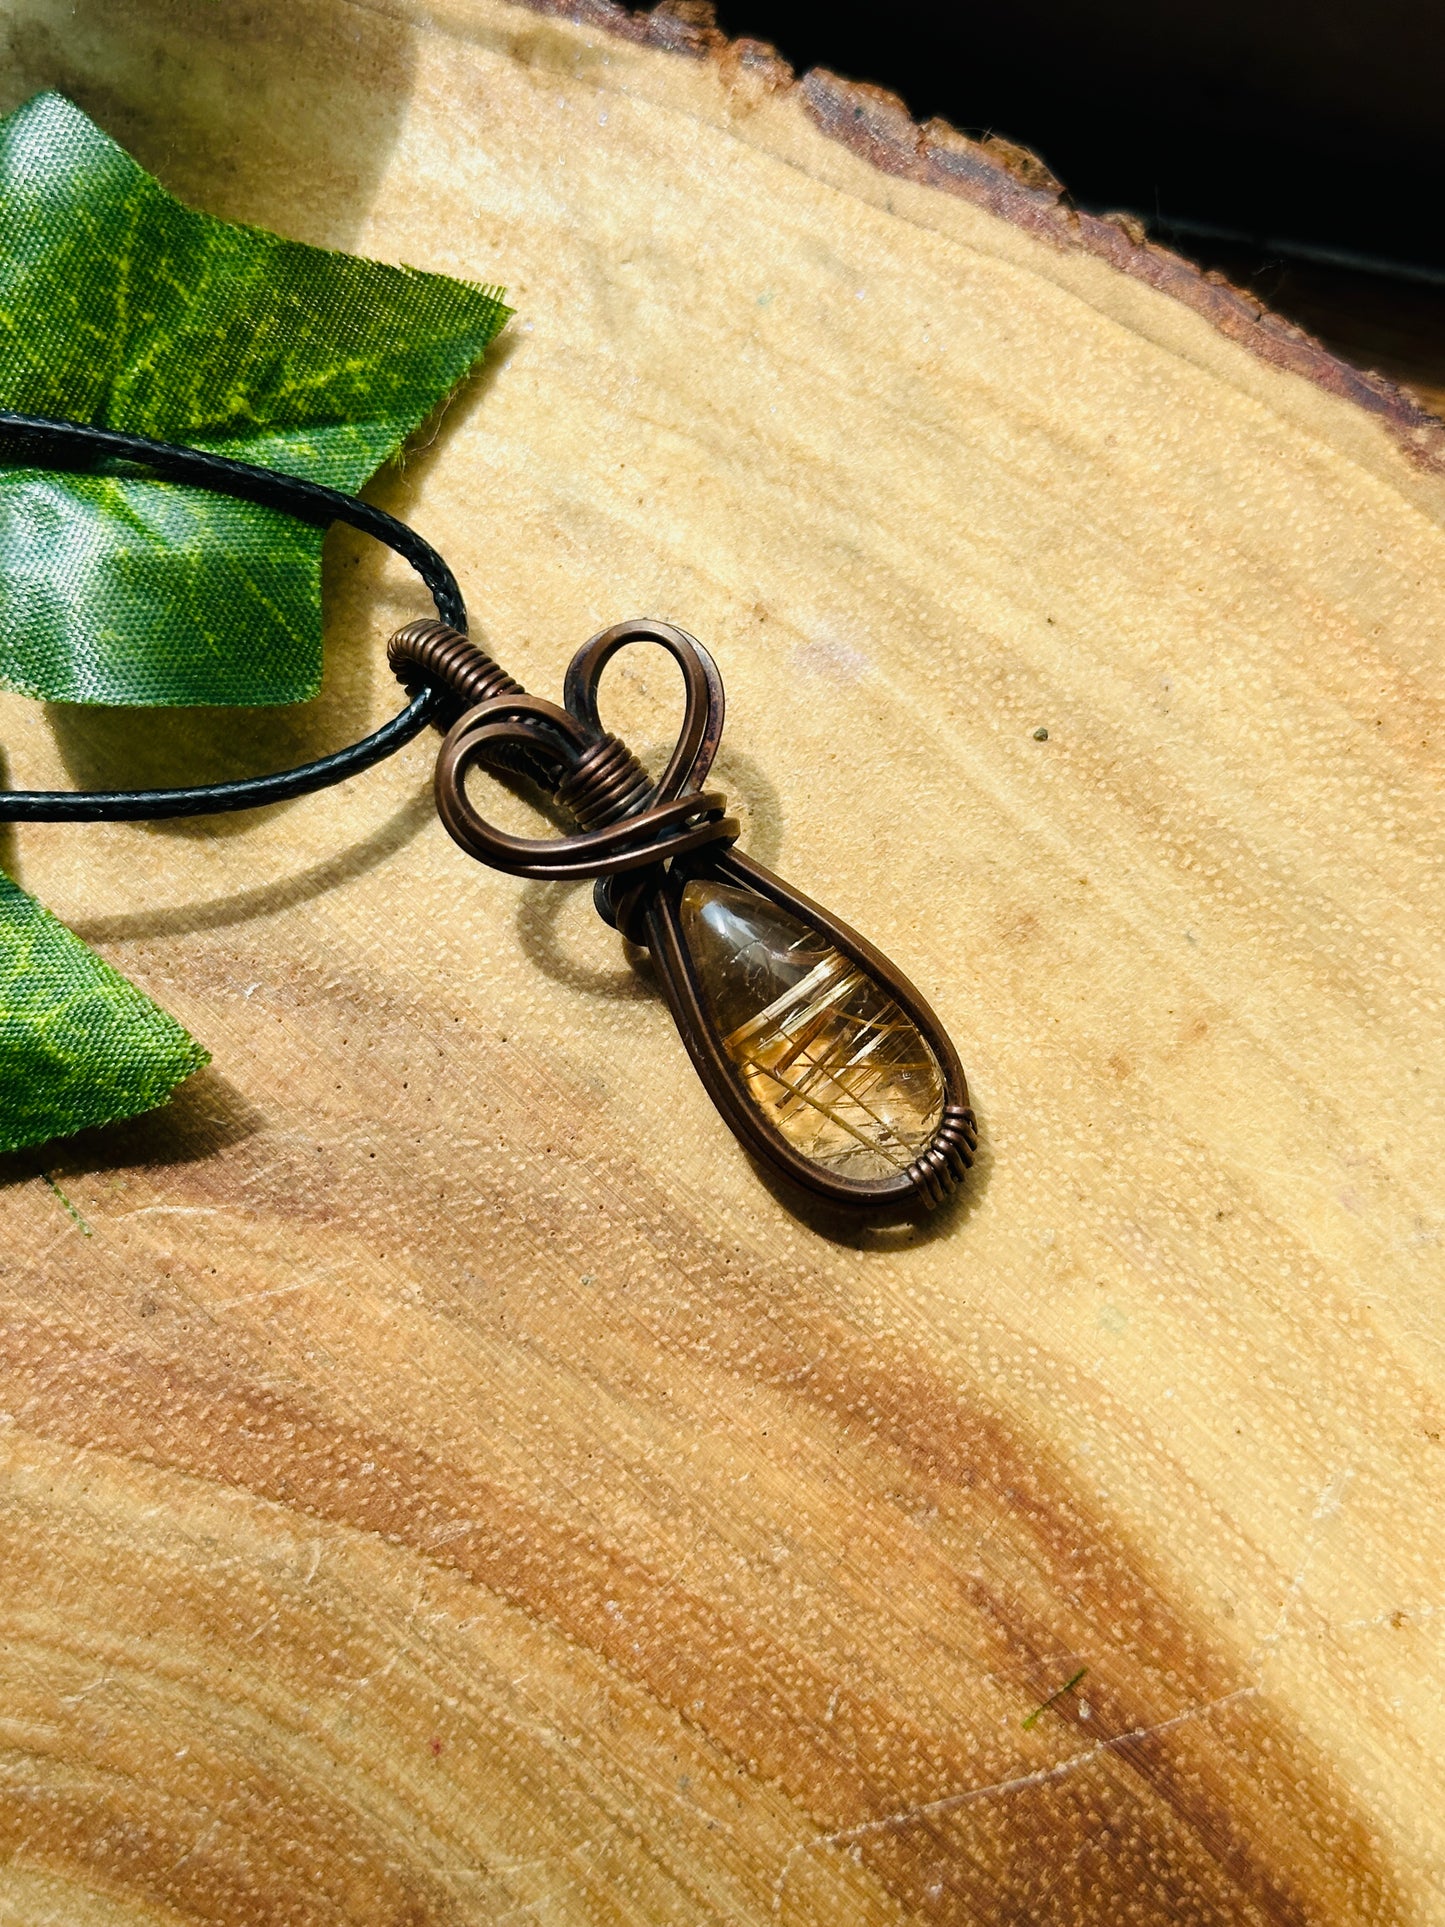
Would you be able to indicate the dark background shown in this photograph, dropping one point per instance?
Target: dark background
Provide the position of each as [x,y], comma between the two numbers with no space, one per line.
[1297,144]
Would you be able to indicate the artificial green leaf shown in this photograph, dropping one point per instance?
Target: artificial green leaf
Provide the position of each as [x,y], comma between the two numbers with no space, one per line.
[79,1045]
[121,307]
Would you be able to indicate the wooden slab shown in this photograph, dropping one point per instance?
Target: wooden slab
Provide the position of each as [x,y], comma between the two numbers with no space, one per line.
[442,1484]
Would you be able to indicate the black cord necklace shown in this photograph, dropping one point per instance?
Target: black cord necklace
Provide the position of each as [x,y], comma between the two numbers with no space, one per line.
[819,1053]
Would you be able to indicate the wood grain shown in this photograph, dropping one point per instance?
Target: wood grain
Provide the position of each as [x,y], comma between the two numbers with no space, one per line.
[442,1484]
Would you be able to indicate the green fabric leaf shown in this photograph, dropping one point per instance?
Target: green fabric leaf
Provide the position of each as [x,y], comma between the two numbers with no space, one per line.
[121,307]
[79,1044]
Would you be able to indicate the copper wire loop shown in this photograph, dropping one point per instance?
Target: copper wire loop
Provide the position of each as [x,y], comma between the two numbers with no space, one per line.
[640,840]
[629,822]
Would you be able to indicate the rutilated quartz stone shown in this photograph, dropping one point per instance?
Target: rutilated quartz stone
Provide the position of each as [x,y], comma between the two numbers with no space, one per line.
[825,1054]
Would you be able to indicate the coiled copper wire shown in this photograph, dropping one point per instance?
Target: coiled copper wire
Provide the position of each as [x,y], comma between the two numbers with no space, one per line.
[942,1167]
[433,652]
[607,783]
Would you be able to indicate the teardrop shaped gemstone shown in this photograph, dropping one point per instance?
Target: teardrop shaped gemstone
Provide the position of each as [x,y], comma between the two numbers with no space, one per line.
[826,1055]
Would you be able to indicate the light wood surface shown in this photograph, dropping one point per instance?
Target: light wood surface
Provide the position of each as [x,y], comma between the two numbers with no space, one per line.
[441,1483]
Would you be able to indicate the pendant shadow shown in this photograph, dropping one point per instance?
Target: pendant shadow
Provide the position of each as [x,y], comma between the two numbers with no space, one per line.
[269,899]
[878,1231]
[541,910]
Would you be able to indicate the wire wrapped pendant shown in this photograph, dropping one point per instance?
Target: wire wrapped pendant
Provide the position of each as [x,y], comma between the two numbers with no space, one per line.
[819,1053]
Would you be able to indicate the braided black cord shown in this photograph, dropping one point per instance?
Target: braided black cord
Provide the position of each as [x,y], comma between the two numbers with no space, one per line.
[34,439]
